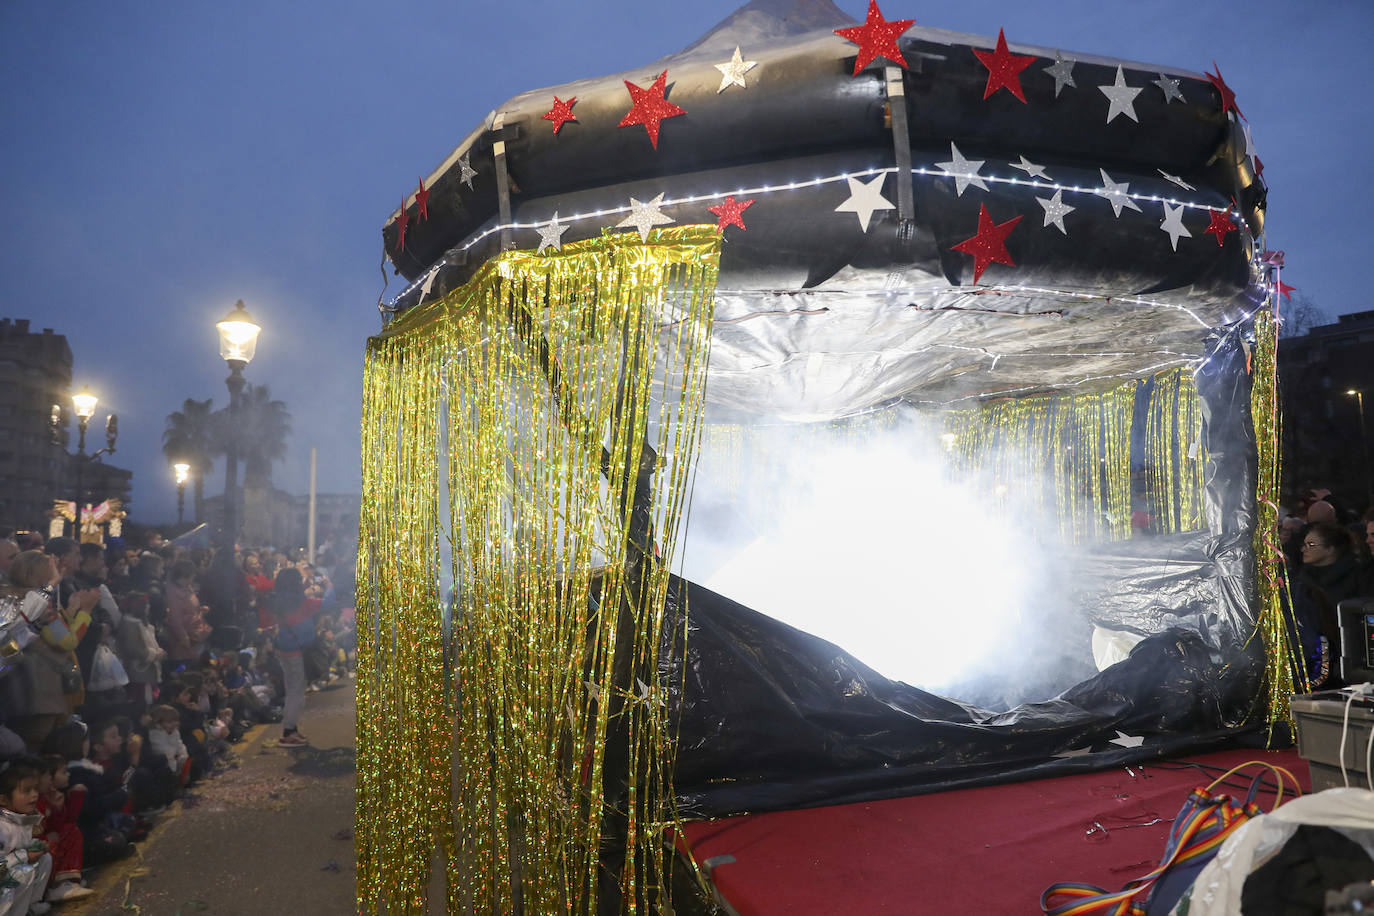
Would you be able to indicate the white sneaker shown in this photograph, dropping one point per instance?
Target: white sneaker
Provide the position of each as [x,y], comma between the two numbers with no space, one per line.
[67,890]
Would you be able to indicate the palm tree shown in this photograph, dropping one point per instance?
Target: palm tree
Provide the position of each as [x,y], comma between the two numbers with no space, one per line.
[263,426]
[190,437]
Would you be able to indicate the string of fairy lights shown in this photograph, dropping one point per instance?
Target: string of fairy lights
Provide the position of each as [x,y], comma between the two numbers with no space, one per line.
[1108,190]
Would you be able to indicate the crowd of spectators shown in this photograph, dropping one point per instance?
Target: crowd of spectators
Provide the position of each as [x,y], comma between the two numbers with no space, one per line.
[1329,558]
[127,672]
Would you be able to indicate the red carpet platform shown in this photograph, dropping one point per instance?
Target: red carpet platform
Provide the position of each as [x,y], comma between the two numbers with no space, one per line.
[973,851]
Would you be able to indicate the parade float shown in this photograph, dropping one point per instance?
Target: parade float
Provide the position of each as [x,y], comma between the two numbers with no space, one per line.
[801,233]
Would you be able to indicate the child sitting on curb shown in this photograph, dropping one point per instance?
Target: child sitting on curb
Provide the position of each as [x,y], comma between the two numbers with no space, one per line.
[26,858]
[60,832]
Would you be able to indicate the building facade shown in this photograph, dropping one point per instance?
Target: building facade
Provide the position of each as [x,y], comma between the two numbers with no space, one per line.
[35,470]
[1326,383]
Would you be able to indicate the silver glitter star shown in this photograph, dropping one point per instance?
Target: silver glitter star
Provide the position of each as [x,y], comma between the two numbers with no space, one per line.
[1173,224]
[1122,98]
[551,234]
[1124,740]
[1170,89]
[645,216]
[1116,193]
[733,70]
[1249,142]
[864,198]
[1062,71]
[468,172]
[1056,210]
[1030,168]
[963,171]
[1176,180]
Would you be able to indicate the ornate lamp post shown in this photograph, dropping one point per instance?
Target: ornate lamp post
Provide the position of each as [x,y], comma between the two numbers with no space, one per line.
[1358,395]
[83,403]
[183,472]
[238,341]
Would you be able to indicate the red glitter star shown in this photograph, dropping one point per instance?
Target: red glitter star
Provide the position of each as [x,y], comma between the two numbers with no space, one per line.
[730,213]
[1004,68]
[1220,225]
[421,202]
[877,37]
[650,107]
[561,112]
[401,222]
[1228,98]
[1286,290]
[990,244]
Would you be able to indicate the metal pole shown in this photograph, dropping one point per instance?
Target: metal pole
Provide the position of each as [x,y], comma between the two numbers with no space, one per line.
[1364,451]
[310,522]
[80,465]
[235,383]
[181,501]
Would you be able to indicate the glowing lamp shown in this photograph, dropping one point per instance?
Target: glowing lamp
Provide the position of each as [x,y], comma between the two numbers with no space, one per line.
[182,471]
[84,403]
[238,335]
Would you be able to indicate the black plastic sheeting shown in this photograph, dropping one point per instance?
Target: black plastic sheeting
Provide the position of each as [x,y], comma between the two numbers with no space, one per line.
[771,717]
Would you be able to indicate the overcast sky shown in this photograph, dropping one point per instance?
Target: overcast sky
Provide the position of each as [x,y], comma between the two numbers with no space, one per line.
[162,159]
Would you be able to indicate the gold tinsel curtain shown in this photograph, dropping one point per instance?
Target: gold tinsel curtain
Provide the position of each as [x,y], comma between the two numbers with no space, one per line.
[510,714]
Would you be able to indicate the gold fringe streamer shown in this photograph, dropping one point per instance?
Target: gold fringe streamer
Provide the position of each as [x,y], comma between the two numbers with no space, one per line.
[1285,669]
[531,391]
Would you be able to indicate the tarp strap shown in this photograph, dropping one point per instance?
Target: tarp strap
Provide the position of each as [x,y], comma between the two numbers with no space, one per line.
[901,147]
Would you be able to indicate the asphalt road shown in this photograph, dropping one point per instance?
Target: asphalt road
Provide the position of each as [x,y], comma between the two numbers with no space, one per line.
[271,836]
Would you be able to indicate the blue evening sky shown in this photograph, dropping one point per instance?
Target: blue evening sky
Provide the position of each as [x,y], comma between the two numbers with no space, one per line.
[162,159]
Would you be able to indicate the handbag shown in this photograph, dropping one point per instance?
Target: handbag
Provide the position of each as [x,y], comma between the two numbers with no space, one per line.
[1203,824]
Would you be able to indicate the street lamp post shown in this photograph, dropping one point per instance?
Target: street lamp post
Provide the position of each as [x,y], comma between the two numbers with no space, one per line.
[182,471]
[238,341]
[83,403]
[1358,395]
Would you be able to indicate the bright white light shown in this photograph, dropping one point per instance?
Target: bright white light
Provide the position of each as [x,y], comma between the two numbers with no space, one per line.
[84,403]
[876,550]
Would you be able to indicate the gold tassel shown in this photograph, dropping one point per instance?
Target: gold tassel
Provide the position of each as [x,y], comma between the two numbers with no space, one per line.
[519,407]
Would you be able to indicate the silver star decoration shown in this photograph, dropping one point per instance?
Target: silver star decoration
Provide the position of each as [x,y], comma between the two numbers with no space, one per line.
[733,70]
[1030,168]
[428,284]
[1176,180]
[1249,142]
[864,198]
[1062,71]
[1170,89]
[1122,98]
[1056,210]
[551,234]
[468,172]
[645,216]
[1116,193]
[1125,740]
[1173,224]
[963,171]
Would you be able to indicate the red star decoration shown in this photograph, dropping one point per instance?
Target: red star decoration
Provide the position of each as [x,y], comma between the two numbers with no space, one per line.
[650,107]
[877,37]
[990,244]
[1004,68]
[561,112]
[421,202]
[401,222]
[1228,98]
[1286,290]
[1220,225]
[730,213]
[1259,166]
